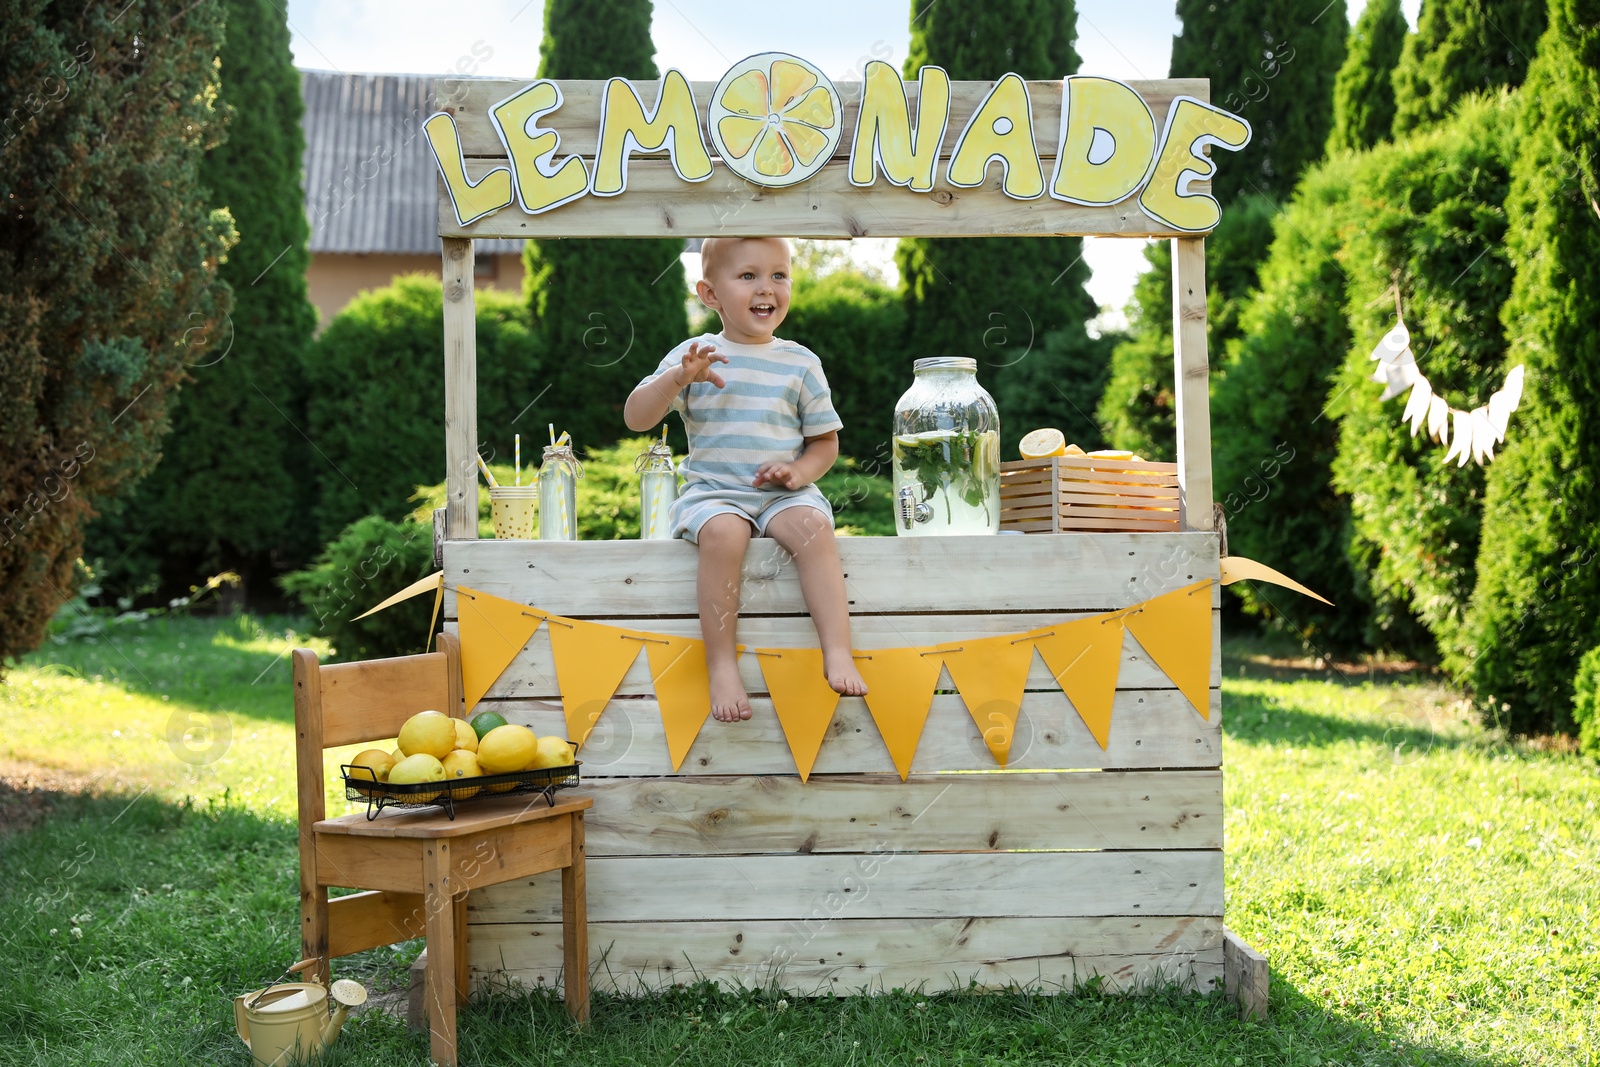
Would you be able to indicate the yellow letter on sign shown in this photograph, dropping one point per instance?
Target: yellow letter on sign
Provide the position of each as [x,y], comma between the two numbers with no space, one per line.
[540,185]
[1108,142]
[1191,125]
[1001,129]
[884,138]
[625,127]
[472,201]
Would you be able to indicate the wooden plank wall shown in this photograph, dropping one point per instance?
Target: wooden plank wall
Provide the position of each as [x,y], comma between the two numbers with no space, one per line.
[658,203]
[1072,863]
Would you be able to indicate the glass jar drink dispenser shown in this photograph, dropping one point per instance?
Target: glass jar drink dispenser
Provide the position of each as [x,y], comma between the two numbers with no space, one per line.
[946,452]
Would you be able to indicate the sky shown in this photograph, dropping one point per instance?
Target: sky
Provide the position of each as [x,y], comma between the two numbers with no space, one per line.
[1124,39]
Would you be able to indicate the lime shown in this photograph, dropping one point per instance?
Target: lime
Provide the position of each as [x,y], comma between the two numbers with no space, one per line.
[485,721]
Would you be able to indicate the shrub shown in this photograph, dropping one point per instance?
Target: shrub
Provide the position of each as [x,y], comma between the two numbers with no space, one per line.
[1533,609]
[856,326]
[1136,408]
[371,559]
[1272,442]
[377,395]
[1430,218]
[1463,47]
[1586,702]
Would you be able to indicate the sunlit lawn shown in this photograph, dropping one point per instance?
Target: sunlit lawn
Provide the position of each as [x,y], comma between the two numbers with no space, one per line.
[1426,892]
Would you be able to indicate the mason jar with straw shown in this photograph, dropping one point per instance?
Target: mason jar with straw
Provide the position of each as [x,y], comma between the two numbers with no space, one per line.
[558,490]
[658,489]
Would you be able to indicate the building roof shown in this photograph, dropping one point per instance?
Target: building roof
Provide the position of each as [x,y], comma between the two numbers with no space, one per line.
[371,182]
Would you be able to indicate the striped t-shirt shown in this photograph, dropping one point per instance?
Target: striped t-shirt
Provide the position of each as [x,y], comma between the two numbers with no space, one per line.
[776,396]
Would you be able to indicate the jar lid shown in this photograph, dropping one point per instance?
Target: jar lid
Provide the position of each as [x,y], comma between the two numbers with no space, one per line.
[945,363]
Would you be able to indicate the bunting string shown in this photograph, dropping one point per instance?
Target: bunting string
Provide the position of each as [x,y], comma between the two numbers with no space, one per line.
[990,674]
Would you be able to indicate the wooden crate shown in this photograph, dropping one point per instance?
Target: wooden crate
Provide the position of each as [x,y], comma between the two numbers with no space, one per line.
[1076,861]
[1089,493]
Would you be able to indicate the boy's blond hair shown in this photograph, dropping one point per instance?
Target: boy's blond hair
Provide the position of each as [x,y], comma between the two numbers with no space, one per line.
[715,250]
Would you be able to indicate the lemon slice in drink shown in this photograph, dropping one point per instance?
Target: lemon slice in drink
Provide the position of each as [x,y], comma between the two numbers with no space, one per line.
[775,119]
[1042,444]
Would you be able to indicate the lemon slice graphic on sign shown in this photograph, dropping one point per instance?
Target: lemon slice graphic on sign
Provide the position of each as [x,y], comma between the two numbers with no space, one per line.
[775,119]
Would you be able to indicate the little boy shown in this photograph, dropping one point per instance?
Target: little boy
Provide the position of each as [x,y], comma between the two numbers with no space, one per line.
[761,432]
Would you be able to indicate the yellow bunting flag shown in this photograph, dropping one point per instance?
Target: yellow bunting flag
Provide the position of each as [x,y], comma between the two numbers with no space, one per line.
[683,689]
[900,685]
[1238,569]
[493,631]
[1176,630]
[590,662]
[991,674]
[416,588]
[803,699]
[1083,657]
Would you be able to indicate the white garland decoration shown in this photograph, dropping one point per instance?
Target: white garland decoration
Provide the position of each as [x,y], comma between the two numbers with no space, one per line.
[1469,434]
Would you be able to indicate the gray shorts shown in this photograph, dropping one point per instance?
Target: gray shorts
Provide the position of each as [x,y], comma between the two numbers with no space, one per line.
[701,501]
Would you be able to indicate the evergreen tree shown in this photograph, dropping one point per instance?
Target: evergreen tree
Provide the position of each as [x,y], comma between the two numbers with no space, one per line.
[1363,91]
[997,299]
[1461,47]
[1273,439]
[1136,410]
[1414,514]
[1273,63]
[235,486]
[1282,82]
[376,393]
[605,309]
[108,254]
[1533,611]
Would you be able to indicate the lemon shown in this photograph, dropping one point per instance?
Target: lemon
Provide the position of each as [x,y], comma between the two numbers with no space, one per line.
[375,762]
[430,733]
[1111,453]
[372,765]
[419,768]
[458,765]
[1042,444]
[466,736]
[506,748]
[551,751]
[775,119]
[485,721]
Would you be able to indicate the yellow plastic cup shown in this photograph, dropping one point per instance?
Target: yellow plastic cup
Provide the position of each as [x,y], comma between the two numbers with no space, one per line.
[514,510]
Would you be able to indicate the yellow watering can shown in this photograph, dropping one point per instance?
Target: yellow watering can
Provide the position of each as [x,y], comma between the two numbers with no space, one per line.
[287,1020]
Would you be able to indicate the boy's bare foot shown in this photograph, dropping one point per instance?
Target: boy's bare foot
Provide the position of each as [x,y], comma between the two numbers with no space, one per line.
[843,676]
[729,702]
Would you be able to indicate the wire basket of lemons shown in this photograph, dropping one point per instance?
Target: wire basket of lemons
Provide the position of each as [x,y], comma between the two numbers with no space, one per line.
[439,760]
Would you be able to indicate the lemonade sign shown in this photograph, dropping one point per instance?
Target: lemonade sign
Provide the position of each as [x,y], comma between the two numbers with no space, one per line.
[776,120]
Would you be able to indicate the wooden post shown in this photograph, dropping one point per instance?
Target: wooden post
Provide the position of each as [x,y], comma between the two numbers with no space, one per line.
[461,392]
[1192,375]
[1245,975]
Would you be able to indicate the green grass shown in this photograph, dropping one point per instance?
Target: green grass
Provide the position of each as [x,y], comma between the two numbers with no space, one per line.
[1426,893]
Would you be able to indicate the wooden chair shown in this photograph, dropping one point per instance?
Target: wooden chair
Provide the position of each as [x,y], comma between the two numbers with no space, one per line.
[418,865]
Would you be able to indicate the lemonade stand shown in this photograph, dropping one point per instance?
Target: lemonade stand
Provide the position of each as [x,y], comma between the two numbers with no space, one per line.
[1032,793]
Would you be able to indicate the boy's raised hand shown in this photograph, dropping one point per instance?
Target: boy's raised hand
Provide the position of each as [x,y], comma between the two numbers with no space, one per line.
[697,365]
